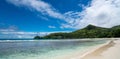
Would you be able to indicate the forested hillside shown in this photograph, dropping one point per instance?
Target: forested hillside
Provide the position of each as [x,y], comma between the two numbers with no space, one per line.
[90,31]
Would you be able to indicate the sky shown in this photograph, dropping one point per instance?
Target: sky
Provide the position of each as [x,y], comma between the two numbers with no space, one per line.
[28,18]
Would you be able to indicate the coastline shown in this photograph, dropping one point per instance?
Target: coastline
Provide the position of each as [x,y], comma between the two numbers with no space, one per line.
[109,50]
[45,49]
[79,53]
[92,52]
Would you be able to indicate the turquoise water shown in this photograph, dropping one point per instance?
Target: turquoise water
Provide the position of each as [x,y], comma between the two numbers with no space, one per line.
[43,49]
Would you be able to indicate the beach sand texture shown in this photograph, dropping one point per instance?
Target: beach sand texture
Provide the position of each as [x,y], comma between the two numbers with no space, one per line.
[108,51]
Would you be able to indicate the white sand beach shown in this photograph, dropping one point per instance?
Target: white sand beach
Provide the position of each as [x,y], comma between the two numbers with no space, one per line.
[108,51]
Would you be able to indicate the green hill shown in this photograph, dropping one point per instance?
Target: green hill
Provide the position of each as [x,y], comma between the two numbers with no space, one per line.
[92,27]
[90,31]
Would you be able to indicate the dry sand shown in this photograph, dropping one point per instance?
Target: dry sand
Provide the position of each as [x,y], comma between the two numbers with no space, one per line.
[108,51]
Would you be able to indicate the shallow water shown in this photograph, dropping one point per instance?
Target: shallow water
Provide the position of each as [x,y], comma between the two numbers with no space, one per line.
[42,49]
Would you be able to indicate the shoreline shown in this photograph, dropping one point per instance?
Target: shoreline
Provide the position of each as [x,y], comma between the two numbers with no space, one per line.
[90,52]
[93,50]
[98,52]
[80,54]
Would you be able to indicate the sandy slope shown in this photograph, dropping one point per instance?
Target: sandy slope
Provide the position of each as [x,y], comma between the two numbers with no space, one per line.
[109,51]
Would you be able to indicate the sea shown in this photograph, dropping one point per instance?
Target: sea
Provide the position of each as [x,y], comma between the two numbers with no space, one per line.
[45,49]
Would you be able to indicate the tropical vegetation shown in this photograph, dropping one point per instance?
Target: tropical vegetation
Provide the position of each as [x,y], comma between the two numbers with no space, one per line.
[90,31]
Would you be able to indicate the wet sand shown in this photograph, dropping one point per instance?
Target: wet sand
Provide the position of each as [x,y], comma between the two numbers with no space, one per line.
[110,50]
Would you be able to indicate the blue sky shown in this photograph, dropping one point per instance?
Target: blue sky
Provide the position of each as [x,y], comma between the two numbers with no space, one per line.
[34,21]
[25,18]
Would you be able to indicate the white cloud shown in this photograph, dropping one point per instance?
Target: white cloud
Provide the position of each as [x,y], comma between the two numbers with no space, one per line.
[9,28]
[17,34]
[39,6]
[45,9]
[51,26]
[103,13]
